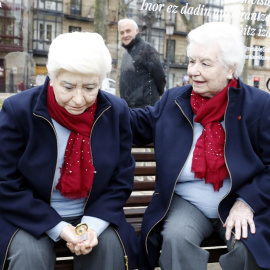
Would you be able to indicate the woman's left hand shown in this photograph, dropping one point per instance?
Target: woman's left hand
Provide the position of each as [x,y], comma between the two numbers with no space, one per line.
[240,217]
[86,245]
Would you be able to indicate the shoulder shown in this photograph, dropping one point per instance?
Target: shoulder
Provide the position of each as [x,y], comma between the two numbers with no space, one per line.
[114,101]
[23,101]
[253,94]
[178,92]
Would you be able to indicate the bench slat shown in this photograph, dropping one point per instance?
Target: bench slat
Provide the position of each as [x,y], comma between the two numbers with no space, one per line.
[144,157]
[145,171]
[139,200]
[144,186]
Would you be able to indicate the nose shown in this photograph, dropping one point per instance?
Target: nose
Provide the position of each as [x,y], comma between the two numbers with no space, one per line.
[78,97]
[194,69]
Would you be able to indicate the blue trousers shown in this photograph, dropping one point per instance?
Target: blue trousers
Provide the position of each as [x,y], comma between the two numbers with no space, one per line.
[27,252]
[185,227]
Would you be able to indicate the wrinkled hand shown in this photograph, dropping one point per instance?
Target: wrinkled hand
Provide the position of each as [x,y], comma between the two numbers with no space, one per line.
[239,218]
[76,244]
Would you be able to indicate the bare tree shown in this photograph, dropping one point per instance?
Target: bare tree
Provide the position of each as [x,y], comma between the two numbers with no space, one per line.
[101,17]
[247,42]
[122,10]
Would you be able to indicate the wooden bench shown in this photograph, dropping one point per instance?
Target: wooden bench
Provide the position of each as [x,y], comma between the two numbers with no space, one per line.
[134,211]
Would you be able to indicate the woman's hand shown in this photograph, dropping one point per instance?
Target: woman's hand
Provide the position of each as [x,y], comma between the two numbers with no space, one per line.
[68,234]
[78,245]
[239,218]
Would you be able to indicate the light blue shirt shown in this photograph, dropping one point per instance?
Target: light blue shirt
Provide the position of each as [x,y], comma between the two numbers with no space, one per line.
[195,190]
[64,206]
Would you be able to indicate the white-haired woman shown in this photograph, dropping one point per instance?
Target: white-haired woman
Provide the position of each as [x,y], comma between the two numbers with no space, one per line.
[66,167]
[212,145]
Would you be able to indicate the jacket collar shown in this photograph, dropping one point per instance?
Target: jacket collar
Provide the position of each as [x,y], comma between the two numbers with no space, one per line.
[183,99]
[41,105]
[133,42]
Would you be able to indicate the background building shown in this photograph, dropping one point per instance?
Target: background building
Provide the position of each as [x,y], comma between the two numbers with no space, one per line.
[27,28]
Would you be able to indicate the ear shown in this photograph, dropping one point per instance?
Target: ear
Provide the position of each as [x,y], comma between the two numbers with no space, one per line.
[137,30]
[230,72]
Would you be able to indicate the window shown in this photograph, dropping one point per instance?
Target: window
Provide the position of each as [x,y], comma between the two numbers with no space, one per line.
[74,29]
[10,28]
[75,7]
[41,31]
[49,5]
[49,32]
[258,56]
[170,52]
[46,32]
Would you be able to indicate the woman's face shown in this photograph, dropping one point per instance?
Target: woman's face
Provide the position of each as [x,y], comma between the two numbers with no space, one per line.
[75,91]
[208,75]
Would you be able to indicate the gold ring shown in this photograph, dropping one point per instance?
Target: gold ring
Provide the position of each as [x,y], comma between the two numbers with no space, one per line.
[81,229]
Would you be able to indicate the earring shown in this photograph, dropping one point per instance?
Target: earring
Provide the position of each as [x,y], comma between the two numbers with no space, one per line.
[50,83]
[230,77]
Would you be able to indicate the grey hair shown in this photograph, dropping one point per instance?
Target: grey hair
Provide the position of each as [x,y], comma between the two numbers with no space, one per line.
[226,38]
[79,52]
[128,20]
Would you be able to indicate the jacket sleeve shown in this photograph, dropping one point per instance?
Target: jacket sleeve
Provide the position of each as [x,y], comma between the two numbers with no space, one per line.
[108,205]
[257,192]
[143,121]
[156,70]
[18,205]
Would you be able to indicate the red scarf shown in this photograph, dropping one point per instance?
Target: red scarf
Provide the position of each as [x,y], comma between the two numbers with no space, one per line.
[208,156]
[77,172]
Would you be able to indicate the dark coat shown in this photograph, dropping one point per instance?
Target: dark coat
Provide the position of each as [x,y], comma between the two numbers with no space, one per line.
[169,125]
[28,157]
[142,78]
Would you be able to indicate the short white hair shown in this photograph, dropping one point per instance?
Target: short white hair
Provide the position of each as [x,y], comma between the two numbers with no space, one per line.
[79,52]
[128,20]
[226,38]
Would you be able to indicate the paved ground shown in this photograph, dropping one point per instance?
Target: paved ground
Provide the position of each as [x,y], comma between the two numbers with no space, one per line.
[211,266]
[5,95]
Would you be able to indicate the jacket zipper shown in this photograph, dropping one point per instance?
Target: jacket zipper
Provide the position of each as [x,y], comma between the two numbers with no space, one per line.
[56,149]
[233,243]
[174,183]
[5,258]
[125,254]
[91,150]
[124,250]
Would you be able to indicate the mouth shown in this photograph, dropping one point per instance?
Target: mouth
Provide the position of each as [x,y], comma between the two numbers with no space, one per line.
[77,108]
[198,82]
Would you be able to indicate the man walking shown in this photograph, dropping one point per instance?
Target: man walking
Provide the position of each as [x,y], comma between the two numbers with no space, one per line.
[142,78]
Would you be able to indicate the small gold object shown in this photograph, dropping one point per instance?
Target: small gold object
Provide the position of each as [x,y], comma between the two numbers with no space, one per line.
[81,229]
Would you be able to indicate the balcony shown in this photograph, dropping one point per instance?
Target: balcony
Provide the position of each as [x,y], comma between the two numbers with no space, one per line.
[10,43]
[179,61]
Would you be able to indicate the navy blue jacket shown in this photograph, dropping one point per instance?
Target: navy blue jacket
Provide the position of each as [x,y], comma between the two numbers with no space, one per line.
[169,125]
[28,157]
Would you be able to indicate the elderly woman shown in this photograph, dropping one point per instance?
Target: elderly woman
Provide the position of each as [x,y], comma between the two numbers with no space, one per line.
[66,167]
[212,146]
